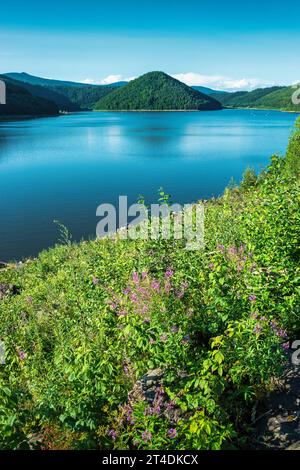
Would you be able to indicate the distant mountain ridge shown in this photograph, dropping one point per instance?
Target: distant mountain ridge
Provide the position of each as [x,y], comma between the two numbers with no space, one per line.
[74,96]
[157,91]
[68,96]
[20,102]
[276,97]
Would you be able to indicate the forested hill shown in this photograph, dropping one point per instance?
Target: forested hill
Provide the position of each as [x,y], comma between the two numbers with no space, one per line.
[20,101]
[266,98]
[157,91]
[68,96]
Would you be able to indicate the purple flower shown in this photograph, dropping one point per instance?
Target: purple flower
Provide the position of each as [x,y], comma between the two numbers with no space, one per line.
[285,346]
[133,297]
[146,436]
[135,277]
[174,329]
[95,281]
[152,341]
[186,339]
[169,273]
[254,315]
[281,333]
[22,355]
[145,309]
[172,433]
[144,275]
[155,285]
[220,248]
[164,337]
[252,298]
[126,291]
[121,313]
[257,329]
[168,287]
[232,250]
[211,266]
[112,433]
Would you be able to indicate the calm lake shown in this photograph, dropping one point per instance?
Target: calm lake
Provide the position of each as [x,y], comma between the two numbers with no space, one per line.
[64,167]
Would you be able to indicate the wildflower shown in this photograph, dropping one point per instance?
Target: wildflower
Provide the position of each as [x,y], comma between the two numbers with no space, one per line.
[144,275]
[257,329]
[147,320]
[146,436]
[220,248]
[211,266]
[172,433]
[112,433]
[170,405]
[242,249]
[186,339]
[145,309]
[155,285]
[29,299]
[285,346]
[22,355]
[254,315]
[232,250]
[164,337]
[133,297]
[252,298]
[168,287]
[126,291]
[135,277]
[95,281]
[281,333]
[169,273]
[121,313]
[174,329]
[152,341]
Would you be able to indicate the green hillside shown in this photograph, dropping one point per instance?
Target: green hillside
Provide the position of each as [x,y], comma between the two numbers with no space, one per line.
[84,322]
[157,91]
[267,98]
[69,96]
[20,101]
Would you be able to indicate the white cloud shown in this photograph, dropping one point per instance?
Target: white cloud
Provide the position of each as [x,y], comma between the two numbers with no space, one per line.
[217,82]
[220,82]
[108,80]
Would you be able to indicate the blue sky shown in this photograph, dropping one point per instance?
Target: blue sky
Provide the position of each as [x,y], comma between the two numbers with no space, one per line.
[225,45]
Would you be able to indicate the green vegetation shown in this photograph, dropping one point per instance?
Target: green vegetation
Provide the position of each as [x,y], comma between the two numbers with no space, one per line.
[157,91]
[266,98]
[20,101]
[68,96]
[83,322]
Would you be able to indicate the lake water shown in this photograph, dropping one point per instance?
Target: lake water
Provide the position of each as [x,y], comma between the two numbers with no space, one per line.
[64,167]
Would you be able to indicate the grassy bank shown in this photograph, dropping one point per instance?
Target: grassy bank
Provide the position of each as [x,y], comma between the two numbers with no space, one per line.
[83,322]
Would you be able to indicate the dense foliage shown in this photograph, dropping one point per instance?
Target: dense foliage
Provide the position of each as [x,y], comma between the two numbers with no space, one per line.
[68,96]
[83,322]
[157,91]
[266,98]
[20,101]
